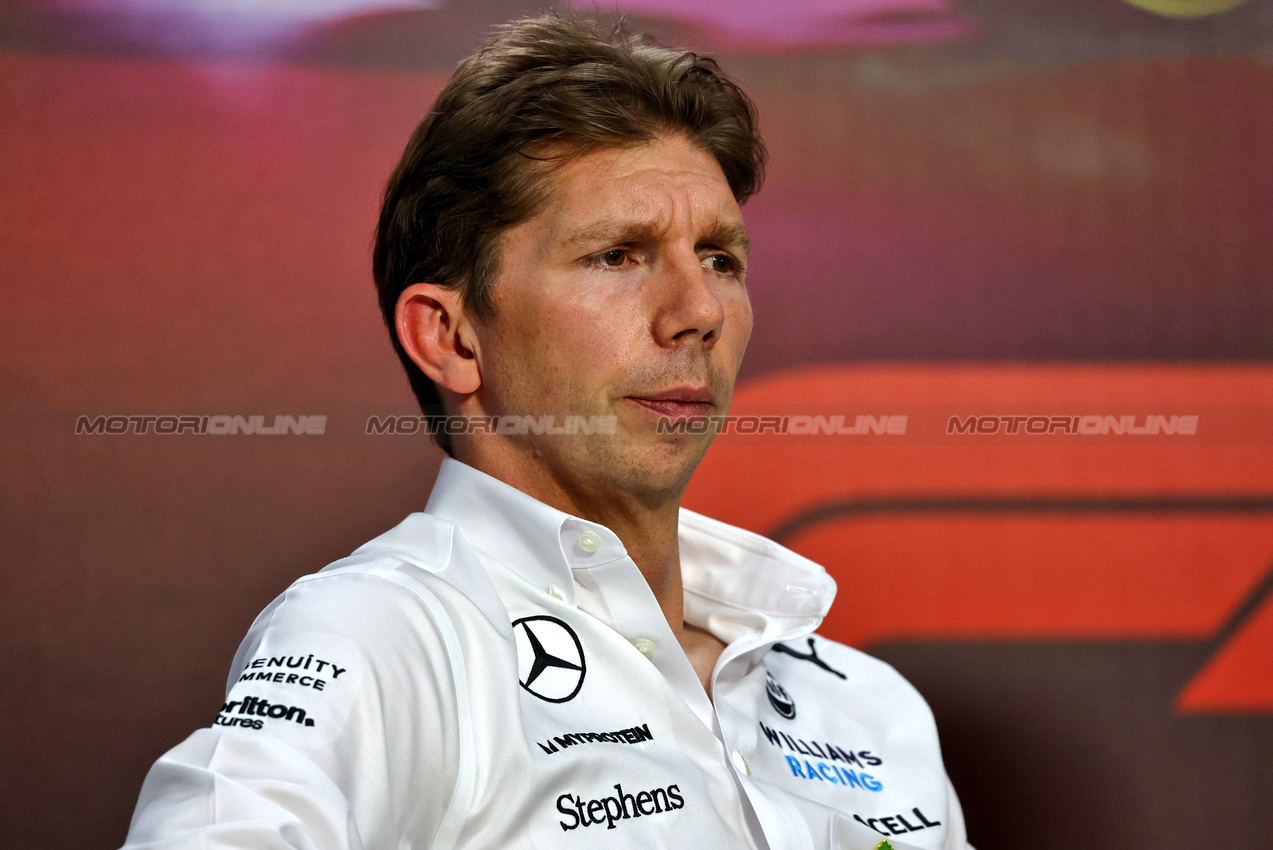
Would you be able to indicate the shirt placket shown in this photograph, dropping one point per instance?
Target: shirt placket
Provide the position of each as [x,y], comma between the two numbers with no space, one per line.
[781,823]
[608,586]
[617,595]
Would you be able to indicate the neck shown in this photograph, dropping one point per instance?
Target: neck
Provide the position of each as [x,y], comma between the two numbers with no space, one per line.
[647,524]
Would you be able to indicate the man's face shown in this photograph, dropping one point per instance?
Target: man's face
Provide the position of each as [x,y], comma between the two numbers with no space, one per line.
[623,297]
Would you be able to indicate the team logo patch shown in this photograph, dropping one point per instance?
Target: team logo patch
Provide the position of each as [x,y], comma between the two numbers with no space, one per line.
[811,656]
[550,662]
[779,698]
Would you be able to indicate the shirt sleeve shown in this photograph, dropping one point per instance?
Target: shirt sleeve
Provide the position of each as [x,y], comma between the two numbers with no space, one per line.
[957,836]
[338,730]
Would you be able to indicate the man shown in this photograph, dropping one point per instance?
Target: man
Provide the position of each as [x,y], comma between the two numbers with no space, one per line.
[553,653]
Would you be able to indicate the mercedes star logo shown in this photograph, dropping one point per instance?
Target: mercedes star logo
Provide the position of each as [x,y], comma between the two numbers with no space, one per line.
[549,658]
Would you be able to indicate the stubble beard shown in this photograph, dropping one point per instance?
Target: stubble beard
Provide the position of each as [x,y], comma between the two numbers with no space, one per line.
[635,461]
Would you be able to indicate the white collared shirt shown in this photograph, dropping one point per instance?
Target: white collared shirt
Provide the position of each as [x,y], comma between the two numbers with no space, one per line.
[494,673]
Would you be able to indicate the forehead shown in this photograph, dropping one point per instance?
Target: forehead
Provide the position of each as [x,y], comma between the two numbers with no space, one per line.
[668,186]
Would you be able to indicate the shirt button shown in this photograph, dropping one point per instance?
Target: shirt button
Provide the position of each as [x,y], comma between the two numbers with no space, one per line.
[645,647]
[741,763]
[589,541]
[556,594]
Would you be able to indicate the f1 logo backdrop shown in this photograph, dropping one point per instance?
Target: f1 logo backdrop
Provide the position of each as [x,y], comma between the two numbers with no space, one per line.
[1066,598]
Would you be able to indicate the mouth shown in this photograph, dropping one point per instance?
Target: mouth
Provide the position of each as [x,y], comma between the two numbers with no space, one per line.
[679,402]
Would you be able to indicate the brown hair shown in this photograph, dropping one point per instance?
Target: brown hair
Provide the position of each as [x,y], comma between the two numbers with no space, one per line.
[478,162]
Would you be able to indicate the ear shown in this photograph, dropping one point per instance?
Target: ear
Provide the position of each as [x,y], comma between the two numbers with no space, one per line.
[437,335]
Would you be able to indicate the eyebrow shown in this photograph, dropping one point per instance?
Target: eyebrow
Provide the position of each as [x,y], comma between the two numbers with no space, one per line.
[729,235]
[617,232]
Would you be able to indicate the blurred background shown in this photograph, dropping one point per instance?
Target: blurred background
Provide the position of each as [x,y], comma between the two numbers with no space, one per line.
[976,210]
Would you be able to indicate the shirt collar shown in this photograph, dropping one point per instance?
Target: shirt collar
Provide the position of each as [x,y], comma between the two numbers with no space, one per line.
[735,581]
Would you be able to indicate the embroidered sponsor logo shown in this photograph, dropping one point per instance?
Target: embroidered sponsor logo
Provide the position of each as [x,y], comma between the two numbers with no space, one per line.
[245,713]
[821,771]
[550,661]
[811,656]
[266,669]
[620,807]
[898,824]
[820,749]
[634,735]
[779,698]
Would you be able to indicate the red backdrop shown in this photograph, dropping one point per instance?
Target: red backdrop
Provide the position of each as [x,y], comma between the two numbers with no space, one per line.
[976,211]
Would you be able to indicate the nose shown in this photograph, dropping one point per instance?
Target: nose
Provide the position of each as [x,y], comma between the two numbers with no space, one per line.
[690,309]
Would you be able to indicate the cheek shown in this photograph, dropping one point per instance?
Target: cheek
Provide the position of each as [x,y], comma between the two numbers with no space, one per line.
[597,325]
[579,349]
[739,321]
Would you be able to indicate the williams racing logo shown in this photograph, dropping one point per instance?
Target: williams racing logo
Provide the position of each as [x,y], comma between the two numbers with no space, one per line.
[252,712]
[550,661]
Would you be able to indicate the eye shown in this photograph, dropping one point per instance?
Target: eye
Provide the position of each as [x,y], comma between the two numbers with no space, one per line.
[613,258]
[721,263]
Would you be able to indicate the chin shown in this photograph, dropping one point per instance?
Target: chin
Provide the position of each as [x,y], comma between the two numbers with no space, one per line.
[662,467]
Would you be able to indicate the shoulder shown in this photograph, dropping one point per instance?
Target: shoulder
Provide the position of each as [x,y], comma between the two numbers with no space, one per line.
[321,721]
[420,576]
[366,635]
[837,686]
[848,730]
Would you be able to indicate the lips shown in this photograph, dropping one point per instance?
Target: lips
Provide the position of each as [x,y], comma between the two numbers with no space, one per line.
[679,402]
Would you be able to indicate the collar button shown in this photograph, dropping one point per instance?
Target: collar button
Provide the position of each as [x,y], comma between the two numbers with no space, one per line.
[589,541]
[645,647]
